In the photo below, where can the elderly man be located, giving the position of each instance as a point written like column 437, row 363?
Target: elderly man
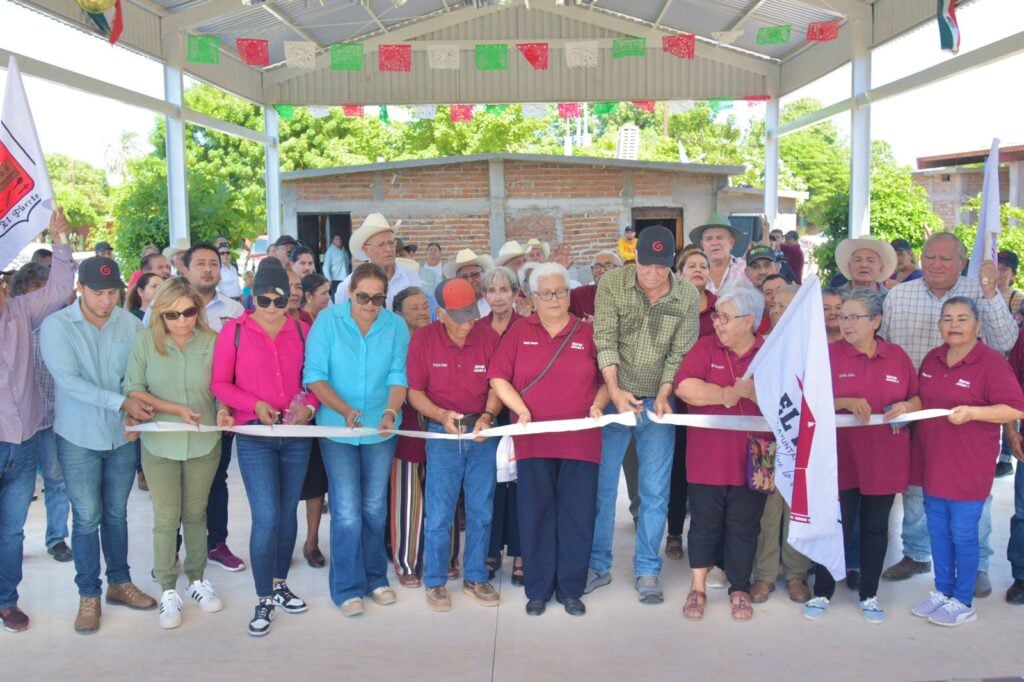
column 537, row 251
column 910, row 319
column 174, row 252
column 511, row 255
column 374, row 241
column 156, row 262
column 716, row 238
column 22, row 414
column 645, row 321
column 471, row 267
column 281, row 249
column 336, row 262
column 866, row 263
column 582, row 299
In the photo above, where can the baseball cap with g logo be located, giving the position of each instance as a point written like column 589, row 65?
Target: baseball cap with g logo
column 656, row 246
column 100, row 273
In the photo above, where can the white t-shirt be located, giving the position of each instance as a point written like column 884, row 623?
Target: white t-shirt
column 403, row 278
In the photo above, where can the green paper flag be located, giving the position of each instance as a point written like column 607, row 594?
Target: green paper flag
column 604, row 108
column 774, row 35
column 285, row 111
column 720, row 105
column 383, row 115
column 492, row 57
column 204, row 49
column 629, row 47
column 347, row 56
column 495, row 109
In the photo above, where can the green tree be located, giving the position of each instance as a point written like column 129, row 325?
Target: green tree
column 487, row 133
column 1011, row 237
column 84, row 194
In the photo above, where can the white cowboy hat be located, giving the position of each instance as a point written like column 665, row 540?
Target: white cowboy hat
column 180, row 244
column 543, row 246
column 408, row 263
column 509, row 250
column 847, row 247
column 467, row 257
column 375, row 223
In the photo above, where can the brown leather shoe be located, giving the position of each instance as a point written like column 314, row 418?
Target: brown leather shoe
column 905, row 568
column 88, row 619
column 126, row 594
column 409, row 580
column 14, row 619
column 798, row 590
column 438, row 599
column 760, row 590
column 483, row 593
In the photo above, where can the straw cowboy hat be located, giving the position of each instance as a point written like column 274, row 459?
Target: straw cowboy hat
column 180, row 244
column 375, row 223
column 847, row 247
column 543, row 246
column 509, row 250
column 467, row 257
column 715, row 220
column 408, row 263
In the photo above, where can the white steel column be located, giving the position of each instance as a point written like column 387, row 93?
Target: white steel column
column 177, row 177
column 771, row 161
column 860, row 132
column 272, row 160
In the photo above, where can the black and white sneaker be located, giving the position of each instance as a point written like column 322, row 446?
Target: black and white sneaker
column 287, row 600
column 260, row 623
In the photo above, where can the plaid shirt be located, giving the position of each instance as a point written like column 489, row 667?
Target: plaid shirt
column 646, row 341
column 911, row 318
column 736, row 273
column 44, row 381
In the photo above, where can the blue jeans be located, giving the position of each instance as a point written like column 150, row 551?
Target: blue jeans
column 916, row 542
column 17, row 483
column 272, row 471
column 357, row 476
column 54, row 491
column 953, row 527
column 654, row 447
column 453, row 466
column 1015, row 548
column 98, row 484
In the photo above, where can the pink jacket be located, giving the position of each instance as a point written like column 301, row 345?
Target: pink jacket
column 259, row 368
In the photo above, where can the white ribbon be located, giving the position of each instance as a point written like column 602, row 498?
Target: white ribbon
column 741, row 423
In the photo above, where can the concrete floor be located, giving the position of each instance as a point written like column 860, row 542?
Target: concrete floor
column 618, row 639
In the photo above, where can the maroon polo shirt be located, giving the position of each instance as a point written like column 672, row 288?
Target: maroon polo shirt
column 566, row 392
column 453, row 378
column 582, row 300
column 707, row 327
column 958, row 462
column 795, row 257
column 873, row 458
column 411, row 449
column 717, row 456
column 489, row 317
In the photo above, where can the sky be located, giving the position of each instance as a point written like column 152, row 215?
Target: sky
column 958, row 114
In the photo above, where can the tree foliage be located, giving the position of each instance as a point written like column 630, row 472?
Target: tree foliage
column 84, row 194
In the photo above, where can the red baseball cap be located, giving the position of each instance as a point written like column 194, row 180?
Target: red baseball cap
column 458, row 299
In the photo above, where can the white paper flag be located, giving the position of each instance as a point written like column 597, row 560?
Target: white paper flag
column 426, row 112
column 299, row 54
column 727, row 37
column 534, row 110
column 582, row 54
column 319, row 112
column 443, row 56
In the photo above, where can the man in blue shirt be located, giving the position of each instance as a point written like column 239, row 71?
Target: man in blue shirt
column 336, row 263
column 86, row 348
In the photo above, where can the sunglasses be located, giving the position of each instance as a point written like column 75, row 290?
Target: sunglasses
column 266, row 302
column 172, row 315
column 379, row 300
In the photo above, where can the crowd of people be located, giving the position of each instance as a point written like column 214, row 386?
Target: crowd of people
column 384, row 343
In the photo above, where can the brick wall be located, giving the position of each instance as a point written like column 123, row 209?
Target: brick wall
column 455, row 181
column 356, row 187
column 525, row 180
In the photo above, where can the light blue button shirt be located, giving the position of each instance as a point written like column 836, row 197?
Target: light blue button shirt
column 360, row 369
column 88, row 365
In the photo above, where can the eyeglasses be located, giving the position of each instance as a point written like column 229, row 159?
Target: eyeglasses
column 389, row 245
column 548, row 295
column 475, row 274
column 172, row 315
column 379, row 300
column 224, row 253
column 266, row 302
column 853, row 318
column 603, row 267
column 722, row 318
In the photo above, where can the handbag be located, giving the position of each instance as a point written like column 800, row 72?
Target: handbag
column 760, row 460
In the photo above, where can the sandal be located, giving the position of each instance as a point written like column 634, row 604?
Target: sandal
column 518, row 576
column 693, row 609
column 492, row 566
column 409, row 580
column 674, row 547
column 742, row 609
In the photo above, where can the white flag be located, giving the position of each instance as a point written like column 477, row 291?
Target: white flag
column 794, row 390
column 26, row 198
column 989, row 221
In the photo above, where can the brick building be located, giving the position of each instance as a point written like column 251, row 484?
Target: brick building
column 951, row 179
column 481, row 201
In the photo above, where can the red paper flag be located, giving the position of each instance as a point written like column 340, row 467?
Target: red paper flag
column 460, row 113
column 568, row 110
column 536, row 54
column 823, row 30
column 353, row 110
column 645, row 104
column 755, row 100
column 253, row 52
column 682, row 46
column 394, row 57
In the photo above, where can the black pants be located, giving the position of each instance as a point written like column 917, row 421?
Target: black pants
column 725, row 521
column 874, row 541
column 556, row 523
column 217, row 507
column 505, row 521
column 678, row 487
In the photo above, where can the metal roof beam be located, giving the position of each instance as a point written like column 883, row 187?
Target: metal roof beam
column 851, row 9
column 283, row 18
column 203, row 14
column 751, row 8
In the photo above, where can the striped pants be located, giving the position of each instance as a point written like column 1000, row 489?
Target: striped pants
column 407, row 484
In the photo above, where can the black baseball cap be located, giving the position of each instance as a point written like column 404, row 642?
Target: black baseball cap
column 103, row 246
column 760, row 252
column 100, row 273
column 656, row 246
column 1009, row 259
column 286, row 240
column 901, row 245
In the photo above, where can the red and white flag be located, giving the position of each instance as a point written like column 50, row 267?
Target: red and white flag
column 793, row 378
column 26, row 198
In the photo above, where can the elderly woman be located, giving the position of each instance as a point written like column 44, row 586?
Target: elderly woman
column 169, row 368
column 831, row 304
column 355, row 365
column 294, row 294
column 869, row 376
column 725, row 513
column 546, row 369
column 784, row 295
column 408, row 470
column 954, row 458
column 866, row 263
column 257, row 372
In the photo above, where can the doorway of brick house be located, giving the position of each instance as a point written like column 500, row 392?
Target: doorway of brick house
column 316, row 230
column 672, row 218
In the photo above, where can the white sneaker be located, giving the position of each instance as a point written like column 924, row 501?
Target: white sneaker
column 203, row 594
column 717, row 579
column 953, row 613
column 170, row 610
column 934, row 602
